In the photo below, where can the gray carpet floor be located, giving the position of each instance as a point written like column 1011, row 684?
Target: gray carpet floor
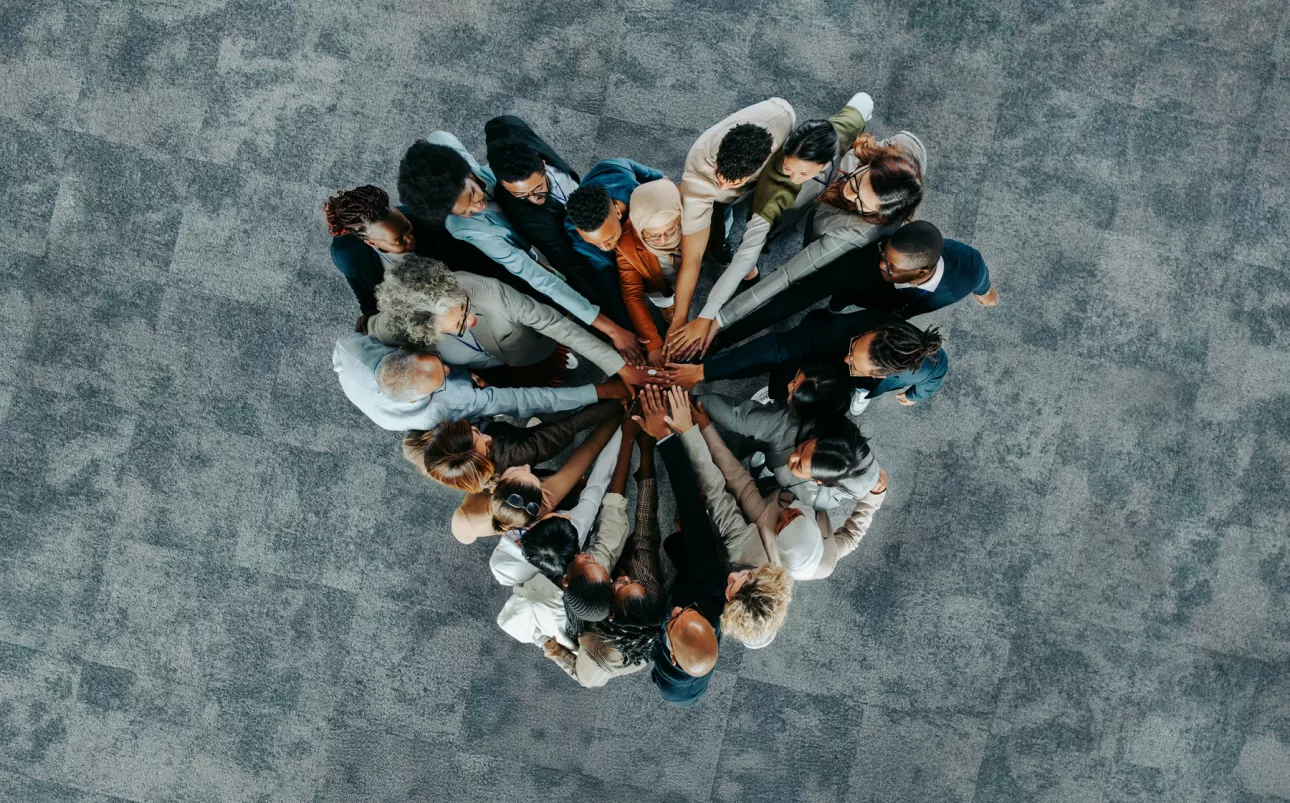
column 219, row 582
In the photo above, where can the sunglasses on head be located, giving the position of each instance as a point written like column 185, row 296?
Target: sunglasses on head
column 516, row 501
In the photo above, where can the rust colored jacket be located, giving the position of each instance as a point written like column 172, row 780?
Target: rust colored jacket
column 639, row 273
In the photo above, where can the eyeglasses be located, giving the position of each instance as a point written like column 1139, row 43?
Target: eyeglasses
column 853, row 181
column 465, row 316
column 671, row 232
column 516, row 501
column 543, row 192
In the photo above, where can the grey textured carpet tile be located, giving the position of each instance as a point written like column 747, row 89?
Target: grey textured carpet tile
column 901, row 755
column 45, row 58
column 768, row 732
column 29, row 183
column 373, row 765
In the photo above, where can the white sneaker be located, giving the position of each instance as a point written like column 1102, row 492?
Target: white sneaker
column 762, row 397
column 848, row 309
column 570, row 362
column 757, row 460
column 859, row 401
column 532, row 422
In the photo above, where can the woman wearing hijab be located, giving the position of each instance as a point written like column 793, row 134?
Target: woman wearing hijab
column 648, row 255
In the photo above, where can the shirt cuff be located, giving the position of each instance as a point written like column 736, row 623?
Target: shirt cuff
column 586, row 394
column 862, row 103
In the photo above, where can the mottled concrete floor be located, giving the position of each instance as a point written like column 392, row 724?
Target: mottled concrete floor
column 219, row 582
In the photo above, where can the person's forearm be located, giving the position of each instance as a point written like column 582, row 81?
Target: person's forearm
column 558, row 484
column 618, row 482
column 696, row 528
column 687, row 277
column 751, row 359
column 745, row 259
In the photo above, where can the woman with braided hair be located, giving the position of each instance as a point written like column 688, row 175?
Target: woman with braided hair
column 368, row 231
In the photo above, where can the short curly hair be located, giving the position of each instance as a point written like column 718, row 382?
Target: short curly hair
column 430, row 179
column 416, row 291
column 759, row 607
column 514, row 161
column 588, row 207
column 743, row 150
column 352, row 211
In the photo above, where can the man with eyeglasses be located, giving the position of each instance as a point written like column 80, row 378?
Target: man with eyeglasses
column 480, row 323
column 915, row 271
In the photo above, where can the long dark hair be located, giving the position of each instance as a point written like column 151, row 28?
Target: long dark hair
column 824, row 394
column 814, row 141
column 550, row 546
column 841, row 451
column 896, row 179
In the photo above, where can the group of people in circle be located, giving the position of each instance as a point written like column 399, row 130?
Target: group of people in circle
column 490, row 281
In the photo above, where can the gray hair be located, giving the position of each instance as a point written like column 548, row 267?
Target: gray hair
column 415, row 292
column 399, row 376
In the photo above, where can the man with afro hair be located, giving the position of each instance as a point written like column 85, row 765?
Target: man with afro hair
column 721, row 168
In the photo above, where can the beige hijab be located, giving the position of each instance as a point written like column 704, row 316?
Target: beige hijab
column 656, row 205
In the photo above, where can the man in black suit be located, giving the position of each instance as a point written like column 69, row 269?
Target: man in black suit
column 533, row 184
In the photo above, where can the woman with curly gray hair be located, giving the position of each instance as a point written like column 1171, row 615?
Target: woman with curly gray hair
column 481, row 324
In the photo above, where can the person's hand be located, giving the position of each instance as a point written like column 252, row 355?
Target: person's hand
column 636, row 377
column 701, row 416
column 361, row 325
column 684, row 374
column 711, row 336
column 653, row 412
column 904, row 399
column 613, row 389
column 990, row 299
column 655, row 358
column 881, row 487
column 863, row 145
column 631, row 428
column 680, row 420
column 628, row 344
column 477, row 380
column 553, row 649
column 685, row 340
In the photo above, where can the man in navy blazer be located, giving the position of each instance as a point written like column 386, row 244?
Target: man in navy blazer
column 915, row 271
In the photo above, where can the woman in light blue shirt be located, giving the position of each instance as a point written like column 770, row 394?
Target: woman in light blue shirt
column 440, row 180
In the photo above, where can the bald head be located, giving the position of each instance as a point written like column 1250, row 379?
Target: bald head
column 694, row 642
column 409, row 375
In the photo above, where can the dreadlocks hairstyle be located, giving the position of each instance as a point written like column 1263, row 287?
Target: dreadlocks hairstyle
column 896, row 179
column 814, row 141
column 756, row 611
column 430, row 179
column 633, row 631
column 416, row 291
column 920, row 241
column 550, row 546
column 505, row 516
column 514, row 161
column 899, row 347
column 824, row 393
column 447, row 455
column 840, row 452
column 743, row 150
column 588, row 207
column 352, row 211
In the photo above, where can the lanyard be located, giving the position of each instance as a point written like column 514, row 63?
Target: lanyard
column 472, row 346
